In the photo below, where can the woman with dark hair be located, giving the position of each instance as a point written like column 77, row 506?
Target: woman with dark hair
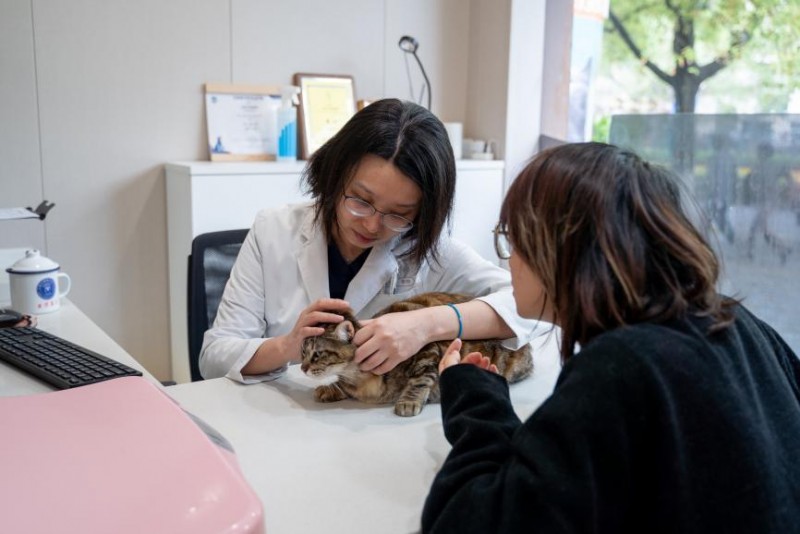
column 679, row 413
column 382, row 191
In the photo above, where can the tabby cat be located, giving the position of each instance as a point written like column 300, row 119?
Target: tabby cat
column 413, row 382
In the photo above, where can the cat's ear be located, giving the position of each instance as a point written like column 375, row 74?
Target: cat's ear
column 344, row 331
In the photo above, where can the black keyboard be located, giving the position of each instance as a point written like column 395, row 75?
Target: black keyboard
column 57, row 361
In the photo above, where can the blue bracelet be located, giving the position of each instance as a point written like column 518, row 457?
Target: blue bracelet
column 460, row 323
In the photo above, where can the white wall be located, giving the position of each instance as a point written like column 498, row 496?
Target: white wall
column 272, row 40
column 526, row 83
column 442, row 30
column 118, row 88
column 96, row 95
column 488, row 71
column 20, row 163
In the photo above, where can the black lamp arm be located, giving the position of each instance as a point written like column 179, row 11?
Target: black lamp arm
column 424, row 75
column 42, row 209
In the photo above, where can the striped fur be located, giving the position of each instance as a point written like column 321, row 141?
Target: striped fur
column 413, row 382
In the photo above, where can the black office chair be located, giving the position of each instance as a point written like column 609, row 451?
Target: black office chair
column 210, row 264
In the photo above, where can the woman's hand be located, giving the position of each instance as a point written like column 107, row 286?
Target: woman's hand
column 452, row 357
column 276, row 352
column 319, row 311
column 387, row 340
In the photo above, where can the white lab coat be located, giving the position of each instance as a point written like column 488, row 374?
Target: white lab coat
column 283, row 267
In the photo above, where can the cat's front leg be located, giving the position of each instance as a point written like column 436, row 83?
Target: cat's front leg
column 408, row 408
column 413, row 397
column 329, row 393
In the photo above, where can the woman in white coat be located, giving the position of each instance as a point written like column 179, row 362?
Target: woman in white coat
column 382, row 191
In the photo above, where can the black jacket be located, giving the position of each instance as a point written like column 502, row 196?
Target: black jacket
column 651, row 428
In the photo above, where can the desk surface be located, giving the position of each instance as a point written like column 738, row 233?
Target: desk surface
column 342, row 467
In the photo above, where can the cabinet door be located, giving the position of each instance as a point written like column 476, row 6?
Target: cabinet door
column 232, row 201
column 479, row 193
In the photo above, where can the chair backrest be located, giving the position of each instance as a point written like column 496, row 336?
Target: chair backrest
column 210, row 264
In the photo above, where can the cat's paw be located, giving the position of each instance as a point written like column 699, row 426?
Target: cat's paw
column 407, row 408
column 329, row 393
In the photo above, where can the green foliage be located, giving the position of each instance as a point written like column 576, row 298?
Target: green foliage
column 755, row 41
column 600, row 129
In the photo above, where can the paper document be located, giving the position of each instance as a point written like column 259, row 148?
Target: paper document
column 17, row 213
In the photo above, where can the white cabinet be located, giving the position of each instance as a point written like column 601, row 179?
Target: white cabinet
column 205, row 197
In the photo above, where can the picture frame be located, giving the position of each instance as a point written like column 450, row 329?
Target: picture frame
column 327, row 102
column 241, row 121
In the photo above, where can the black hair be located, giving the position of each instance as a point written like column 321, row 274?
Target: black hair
column 405, row 134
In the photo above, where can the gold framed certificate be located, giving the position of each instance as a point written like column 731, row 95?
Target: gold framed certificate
column 327, row 101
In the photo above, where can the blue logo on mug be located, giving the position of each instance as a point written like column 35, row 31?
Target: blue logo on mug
column 46, row 289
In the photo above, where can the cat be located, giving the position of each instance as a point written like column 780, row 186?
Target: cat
column 413, row 382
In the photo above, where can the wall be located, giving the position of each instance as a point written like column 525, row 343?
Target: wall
column 526, row 82
column 441, row 28
column 117, row 92
column 20, row 163
column 557, row 54
column 488, row 71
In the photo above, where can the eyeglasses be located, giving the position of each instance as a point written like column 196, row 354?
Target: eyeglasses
column 502, row 245
column 362, row 208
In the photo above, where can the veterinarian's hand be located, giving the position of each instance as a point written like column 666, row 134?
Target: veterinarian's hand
column 319, row 311
column 386, row 341
column 452, row 357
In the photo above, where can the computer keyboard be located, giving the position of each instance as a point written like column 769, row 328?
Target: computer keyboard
column 57, row 361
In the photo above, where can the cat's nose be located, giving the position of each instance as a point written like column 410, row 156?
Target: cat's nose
column 304, row 367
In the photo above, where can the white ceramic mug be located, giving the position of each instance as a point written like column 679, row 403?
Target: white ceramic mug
column 481, row 149
column 37, row 284
column 473, row 146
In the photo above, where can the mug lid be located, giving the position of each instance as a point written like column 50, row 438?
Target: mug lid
column 33, row 262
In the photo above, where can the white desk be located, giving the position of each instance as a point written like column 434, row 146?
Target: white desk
column 73, row 325
column 337, row 468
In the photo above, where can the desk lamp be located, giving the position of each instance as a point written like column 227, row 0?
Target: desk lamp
column 409, row 45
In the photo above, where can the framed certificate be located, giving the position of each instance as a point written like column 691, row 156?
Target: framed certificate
column 242, row 121
column 327, row 101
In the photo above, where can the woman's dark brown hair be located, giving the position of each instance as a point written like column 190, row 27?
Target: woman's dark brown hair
column 607, row 235
column 405, row 134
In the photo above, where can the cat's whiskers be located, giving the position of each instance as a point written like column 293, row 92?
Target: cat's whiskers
column 331, row 373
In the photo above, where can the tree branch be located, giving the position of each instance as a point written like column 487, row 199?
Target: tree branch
column 738, row 41
column 672, row 7
column 626, row 38
column 707, row 71
column 641, row 8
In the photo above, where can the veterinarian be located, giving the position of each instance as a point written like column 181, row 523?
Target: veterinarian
column 382, row 191
column 680, row 413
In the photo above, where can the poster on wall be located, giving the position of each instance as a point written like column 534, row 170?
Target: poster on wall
column 241, row 121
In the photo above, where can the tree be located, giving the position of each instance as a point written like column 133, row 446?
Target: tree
column 705, row 37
